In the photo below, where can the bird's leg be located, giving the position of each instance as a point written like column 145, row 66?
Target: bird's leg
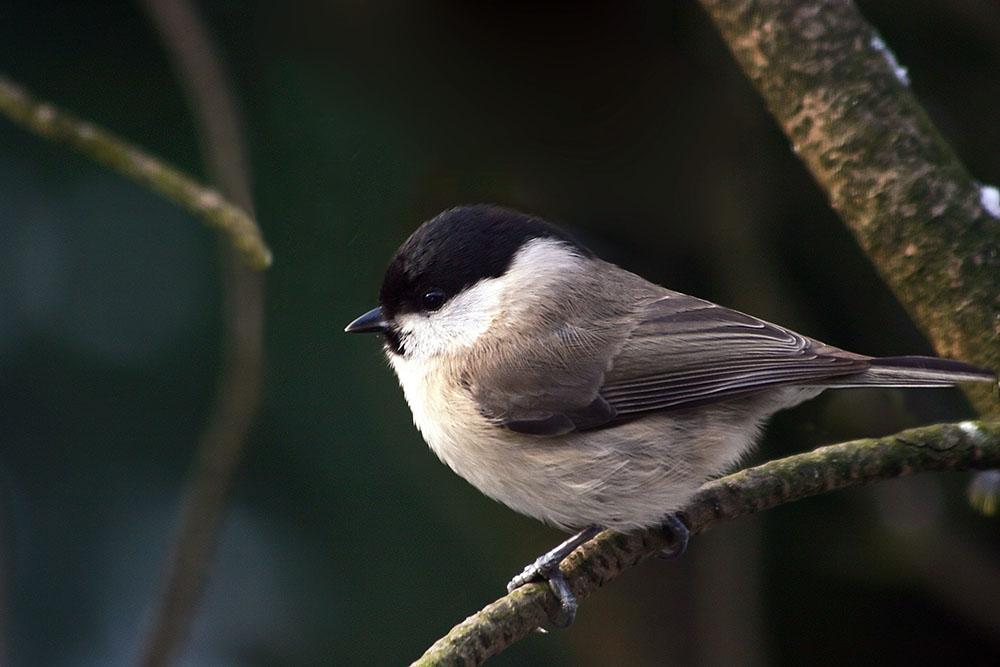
column 679, row 534
column 546, row 568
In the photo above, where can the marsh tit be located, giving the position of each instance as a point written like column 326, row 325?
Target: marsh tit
column 579, row 393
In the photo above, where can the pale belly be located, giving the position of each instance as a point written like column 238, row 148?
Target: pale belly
column 625, row 477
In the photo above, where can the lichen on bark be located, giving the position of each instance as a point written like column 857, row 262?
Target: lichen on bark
column 833, row 86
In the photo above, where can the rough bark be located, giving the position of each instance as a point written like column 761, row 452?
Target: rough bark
column 847, row 108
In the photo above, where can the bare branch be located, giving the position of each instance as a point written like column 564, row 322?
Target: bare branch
column 220, row 448
column 965, row 446
column 50, row 122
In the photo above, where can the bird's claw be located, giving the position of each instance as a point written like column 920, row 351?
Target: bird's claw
column 546, row 568
column 567, row 601
column 679, row 535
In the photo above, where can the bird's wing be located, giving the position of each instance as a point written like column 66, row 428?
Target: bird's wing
column 687, row 351
column 550, row 386
column 671, row 352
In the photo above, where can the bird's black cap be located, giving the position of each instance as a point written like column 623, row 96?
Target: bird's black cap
column 459, row 248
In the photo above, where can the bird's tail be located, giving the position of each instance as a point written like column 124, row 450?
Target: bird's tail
column 914, row 372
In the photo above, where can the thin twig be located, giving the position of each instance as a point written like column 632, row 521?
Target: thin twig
column 965, row 446
column 97, row 143
column 220, row 448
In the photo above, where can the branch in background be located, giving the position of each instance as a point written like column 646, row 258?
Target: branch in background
column 931, row 230
column 46, row 120
column 220, row 448
column 969, row 445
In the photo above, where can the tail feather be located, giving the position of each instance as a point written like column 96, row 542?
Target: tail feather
column 914, row 372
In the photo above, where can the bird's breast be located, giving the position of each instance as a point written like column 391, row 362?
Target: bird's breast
column 443, row 410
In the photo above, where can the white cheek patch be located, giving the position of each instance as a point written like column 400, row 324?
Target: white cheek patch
column 537, row 269
column 469, row 314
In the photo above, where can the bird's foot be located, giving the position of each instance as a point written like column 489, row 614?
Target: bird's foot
column 546, row 568
column 679, row 535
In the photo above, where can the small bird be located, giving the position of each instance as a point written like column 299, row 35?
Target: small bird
column 581, row 394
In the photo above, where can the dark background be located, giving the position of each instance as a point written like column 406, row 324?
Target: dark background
column 347, row 542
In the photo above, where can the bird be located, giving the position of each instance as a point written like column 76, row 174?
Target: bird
column 580, row 394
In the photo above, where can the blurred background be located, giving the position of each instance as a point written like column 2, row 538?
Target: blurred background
column 347, row 541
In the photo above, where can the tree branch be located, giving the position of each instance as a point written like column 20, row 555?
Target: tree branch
column 964, row 446
column 50, row 122
column 931, row 230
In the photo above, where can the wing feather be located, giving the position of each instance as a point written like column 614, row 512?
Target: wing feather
column 670, row 351
column 687, row 351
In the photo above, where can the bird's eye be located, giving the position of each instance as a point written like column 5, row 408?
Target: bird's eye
column 433, row 299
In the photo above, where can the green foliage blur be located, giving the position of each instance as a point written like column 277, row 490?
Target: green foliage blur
column 347, row 542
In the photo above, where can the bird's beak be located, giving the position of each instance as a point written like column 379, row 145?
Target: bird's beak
column 370, row 322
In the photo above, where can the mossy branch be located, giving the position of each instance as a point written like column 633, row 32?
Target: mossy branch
column 931, row 230
column 965, row 446
column 50, row 122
